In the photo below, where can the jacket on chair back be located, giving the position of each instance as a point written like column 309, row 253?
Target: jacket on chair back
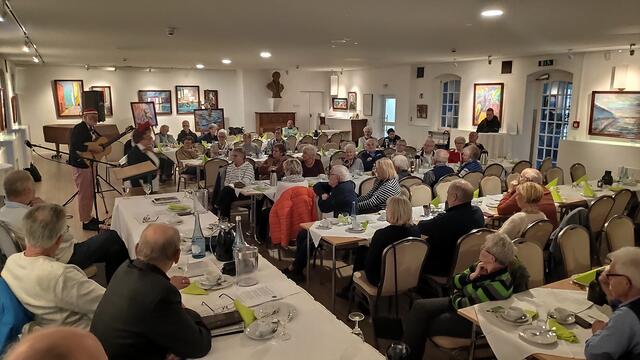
column 294, row 207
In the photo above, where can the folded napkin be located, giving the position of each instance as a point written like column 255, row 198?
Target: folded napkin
column 247, row 315
column 562, row 332
column 476, row 193
column 436, row 201
column 587, row 190
column 205, row 159
column 194, row 289
column 556, row 195
column 532, row 314
column 582, row 179
column 615, row 188
column 553, row 183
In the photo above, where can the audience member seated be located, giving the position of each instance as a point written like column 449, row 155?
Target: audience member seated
column 186, row 132
column 142, row 152
column 428, row 151
column 439, row 170
column 528, row 195
column 221, row 147
column 54, row 292
column 335, row 197
column 455, row 155
column 311, row 166
column 185, row 152
column 385, row 186
column 368, row 134
column 290, row 130
column 58, row 343
column 444, row 230
column 486, row 280
column 141, row 315
column 273, row 162
column 163, row 138
column 391, row 139
column 473, row 140
column 278, row 139
column 209, row 134
column 490, row 124
column 509, row 206
column 370, row 154
column 106, row 247
column 351, row 159
column 619, row 338
column 239, row 173
column 250, row 149
column 470, row 156
column 401, row 147
column 401, row 164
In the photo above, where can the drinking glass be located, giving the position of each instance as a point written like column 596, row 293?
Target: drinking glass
column 202, row 200
column 284, row 335
column 357, row 317
column 147, row 189
column 183, row 262
column 246, row 259
column 126, row 189
column 427, row 210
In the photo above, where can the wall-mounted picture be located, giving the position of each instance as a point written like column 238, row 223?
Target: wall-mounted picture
column 339, row 103
column 15, row 109
column 367, row 104
column 352, row 99
column 144, row 112
column 67, row 95
column 162, row 99
column 108, row 104
column 487, row 96
column 211, row 99
column 615, row 114
column 205, row 117
column 187, row 98
column 421, row 111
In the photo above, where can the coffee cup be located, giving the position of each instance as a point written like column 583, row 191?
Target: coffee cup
column 514, row 313
column 563, row 315
column 212, row 275
column 326, row 223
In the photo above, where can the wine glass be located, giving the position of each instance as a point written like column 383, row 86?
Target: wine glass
column 284, row 335
column 126, row 189
column 147, row 189
column 357, row 317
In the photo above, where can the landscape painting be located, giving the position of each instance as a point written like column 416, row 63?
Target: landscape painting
column 615, row 114
column 144, row 112
column 339, row 103
column 67, row 95
column 162, row 99
column 205, row 117
column 106, row 93
column 187, row 98
column 487, row 96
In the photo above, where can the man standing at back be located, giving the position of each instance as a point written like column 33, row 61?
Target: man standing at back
column 141, row 314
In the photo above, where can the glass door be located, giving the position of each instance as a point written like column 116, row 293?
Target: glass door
column 389, row 114
column 554, row 119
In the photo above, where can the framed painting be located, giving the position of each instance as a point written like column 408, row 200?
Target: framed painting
column 367, row 104
column 15, row 109
column 421, row 111
column 211, row 99
column 352, row 99
column 187, row 98
column 205, row 117
column 67, row 95
column 339, row 103
column 144, row 112
column 615, row 114
column 161, row 99
column 108, row 104
column 486, row 96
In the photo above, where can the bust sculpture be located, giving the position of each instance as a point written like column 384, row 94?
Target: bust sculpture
column 275, row 86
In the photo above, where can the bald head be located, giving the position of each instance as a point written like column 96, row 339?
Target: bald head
column 159, row 245
column 58, row 343
column 460, row 192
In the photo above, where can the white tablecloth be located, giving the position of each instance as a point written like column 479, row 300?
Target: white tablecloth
column 497, row 144
column 169, row 152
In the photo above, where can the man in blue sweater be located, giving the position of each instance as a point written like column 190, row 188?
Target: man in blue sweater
column 440, row 168
column 470, row 156
column 370, row 154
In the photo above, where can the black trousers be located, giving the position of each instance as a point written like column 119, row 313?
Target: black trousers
column 107, row 247
column 226, row 197
column 166, row 166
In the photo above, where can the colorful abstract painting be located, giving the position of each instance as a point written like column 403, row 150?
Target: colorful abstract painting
column 67, row 95
column 211, row 99
column 144, row 112
column 205, row 117
column 487, row 96
column 187, row 98
column 162, row 99
column 106, row 93
column 615, row 114
column 339, row 103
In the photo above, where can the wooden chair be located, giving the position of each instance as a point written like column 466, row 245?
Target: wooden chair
column 420, row 195
column 236, row 144
column 411, row 152
column 619, row 232
column 307, row 139
column 404, row 191
column 269, row 135
column 410, row 181
column 388, row 152
column 449, row 178
column 330, row 146
column 338, row 155
column 545, row 165
column 494, row 169
column 620, row 203
column 9, row 243
column 490, row 185
column 538, row 233
column 577, row 171
column 474, row 179
column 574, row 246
column 366, row 185
column 322, row 139
column 598, row 214
column 511, row 178
column 441, row 189
column 292, row 141
column 555, row 173
column 182, row 177
column 531, row 256
column 212, row 170
column 257, row 142
column 335, row 138
column 520, row 165
column 381, row 142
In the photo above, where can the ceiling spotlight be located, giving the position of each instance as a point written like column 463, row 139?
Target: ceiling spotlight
column 4, row 14
column 632, row 51
column 86, row 67
column 199, row 66
column 35, row 59
column 619, row 51
column 492, row 13
column 110, row 68
column 149, row 69
column 265, row 54
column 171, row 31
column 489, row 60
column 26, row 47
column 226, row 61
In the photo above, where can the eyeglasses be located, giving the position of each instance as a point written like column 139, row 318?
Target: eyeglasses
column 610, row 275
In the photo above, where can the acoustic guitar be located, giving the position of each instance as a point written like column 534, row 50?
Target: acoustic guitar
column 105, row 144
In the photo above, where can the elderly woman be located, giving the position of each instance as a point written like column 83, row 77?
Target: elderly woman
column 401, row 147
column 401, row 163
column 239, row 173
column 428, row 151
column 370, row 154
column 163, row 138
column 292, row 177
column 273, row 162
column 278, row 139
column 455, row 155
column 486, row 280
column 368, row 134
column 385, row 186
column 439, row 170
column 250, row 149
column 221, row 147
column 391, row 139
column 311, row 167
column 351, row 160
column 528, row 195
column 470, row 156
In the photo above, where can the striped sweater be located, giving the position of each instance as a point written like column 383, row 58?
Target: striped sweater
column 376, row 198
column 494, row 286
column 243, row 173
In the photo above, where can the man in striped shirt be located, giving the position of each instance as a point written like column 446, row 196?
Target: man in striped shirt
column 239, row 173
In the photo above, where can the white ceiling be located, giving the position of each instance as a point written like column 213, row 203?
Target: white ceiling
column 299, row 32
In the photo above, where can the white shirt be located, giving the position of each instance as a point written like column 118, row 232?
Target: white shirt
column 56, row 293
column 518, row 222
column 243, row 173
column 150, row 154
column 12, row 213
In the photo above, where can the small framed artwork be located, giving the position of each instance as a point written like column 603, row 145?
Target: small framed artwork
column 106, row 92
column 67, row 95
column 352, row 98
column 187, row 98
column 367, row 104
column 421, row 111
column 211, row 99
column 144, row 112
column 615, row 114
column 15, row 109
column 205, row 117
column 161, row 98
column 339, row 103
column 487, row 96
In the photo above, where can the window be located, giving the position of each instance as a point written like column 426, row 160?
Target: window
column 450, row 103
column 389, row 114
column 554, row 119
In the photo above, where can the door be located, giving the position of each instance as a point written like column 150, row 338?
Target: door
column 553, row 121
column 312, row 108
column 389, row 113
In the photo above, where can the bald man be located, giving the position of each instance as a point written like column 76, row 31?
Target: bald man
column 509, row 206
column 58, row 343
column 141, row 314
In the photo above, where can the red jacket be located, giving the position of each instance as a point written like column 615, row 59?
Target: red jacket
column 509, row 206
column 294, row 207
column 454, row 156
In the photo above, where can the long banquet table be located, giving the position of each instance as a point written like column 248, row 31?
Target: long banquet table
column 315, row 332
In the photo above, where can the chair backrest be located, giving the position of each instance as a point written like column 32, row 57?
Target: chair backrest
column 532, row 258
column 468, row 249
column 411, row 180
column 291, row 143
column 411, row 151
column 257, row 142
column 490, row 185
column 441, row 189
column 546, row 164
column 344, row 143
column 335, row 138
column 381, row 142
column 538, row 232
column 330, row 146
column 324, row 127
column 404, row 191
column 598, row 213
column 337, row 155
column 555, row 173
column 420, row 195
column 307, row 139
column 322, row 139
column 9, row 243
column 621, row 200
column 520, row 165
column 494, row 169
column 388, row 152
column 511, row 178
column 449, row 178
column 402, row 260
column 577, row 171
column 574, row 246
column 236, row 144
column 619, row 232
column 117, row 152
column 474, row 179
column 269, row 135
column 366, row 185
column 212, row 169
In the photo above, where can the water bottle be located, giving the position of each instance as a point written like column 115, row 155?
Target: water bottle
column 354, row 216
column 418, row 162
column 239, row 240
column 273, row 178
column 198, row 246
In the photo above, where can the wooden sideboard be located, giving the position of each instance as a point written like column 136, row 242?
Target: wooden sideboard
column 269, row 121
column 357, row 126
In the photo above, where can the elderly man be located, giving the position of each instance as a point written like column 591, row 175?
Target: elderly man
column 444, row 230
column 401, row 147
column 428, row 151
column 401, row 163
column 619, row 338
column 368, row 134
column 54, row 292
column 278, row 139
column 250, row 149
column 473, row 140
column 209, row 135
column 163, row 138
column 470, row 156
column 509, row 206
column 455, row 155
column 239, row 173
column 290, row 130
column 440, row 169
column 106, row 247
column 391, row 139
column 58, row 343
column 371, row 154
column 141, row 315
column 186, row 132
column 490, row 124
column 311, row 166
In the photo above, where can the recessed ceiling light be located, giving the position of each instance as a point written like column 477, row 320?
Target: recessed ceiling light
column 492, row 13
column 226, row 61
column 35, row 59
column 265, row 54
column 110, row 68
column 199, row 66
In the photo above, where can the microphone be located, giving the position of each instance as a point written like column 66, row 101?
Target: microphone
column 28, row 143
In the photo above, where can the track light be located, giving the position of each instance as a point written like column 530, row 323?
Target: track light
column 4, row 14
column 26, row 47
column 632, row 51
column 35, row 59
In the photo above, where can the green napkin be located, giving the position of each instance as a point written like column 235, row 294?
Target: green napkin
column 532, row 314
column 587, row 190
column 476, row 193
column 365, row 224
column 562, row 332
column 586, row 278
column 194, row 289
column 247, row 315
column 205, row 159
column 556, row 195
column 436, row 201
column 552, row 183
column 582, row 179
column 615, row 188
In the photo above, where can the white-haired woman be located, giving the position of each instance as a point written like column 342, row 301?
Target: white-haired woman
column 221, row 147
column 385, row 186
column 292, row 177
column 311, row 166
column 368, row 134
column 351, row 160
column 401, row 163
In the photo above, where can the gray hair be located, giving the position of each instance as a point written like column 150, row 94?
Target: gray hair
column 350, row 146
column 473, row 151
column 158, row 249
column 627, row 262
column 372, row 141
column 441, row 156
column 309, row 149
column 292, row 167
column 459, row 139
column 43, row 225
column 533, row 175
column 501, row 247
column 222, row 132
column 16, row 183
column 429, row 139
column 463, row 189
column 212, row 126
column 342, row 172
column 367, row 128
column 401, row 162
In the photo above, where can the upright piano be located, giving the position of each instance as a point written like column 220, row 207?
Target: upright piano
column 59, row 134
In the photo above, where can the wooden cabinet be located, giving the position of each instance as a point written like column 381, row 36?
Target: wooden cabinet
column 269, row 121
column 357, row 126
